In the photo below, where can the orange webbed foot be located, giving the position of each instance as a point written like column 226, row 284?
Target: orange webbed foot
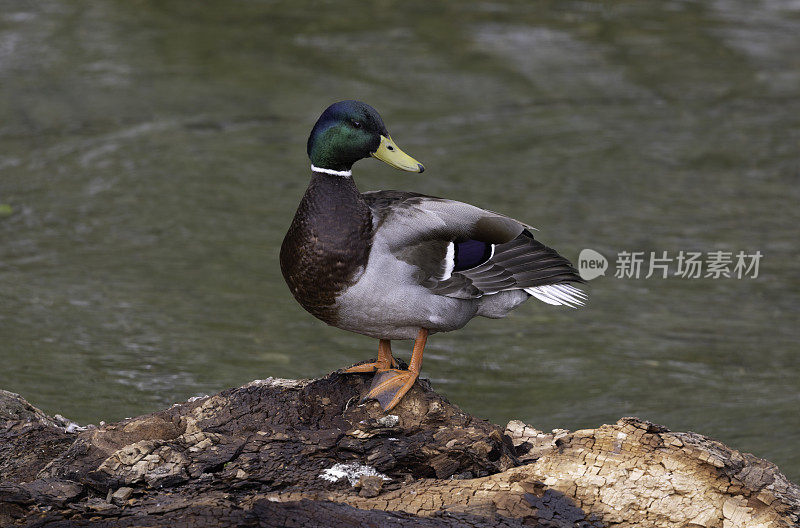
column 384, row 361
column 389, row 386
column 370, row 367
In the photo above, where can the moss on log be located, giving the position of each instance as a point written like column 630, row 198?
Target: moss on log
column 306, row 454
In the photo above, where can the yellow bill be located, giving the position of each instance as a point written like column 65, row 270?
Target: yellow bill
column 390, row 154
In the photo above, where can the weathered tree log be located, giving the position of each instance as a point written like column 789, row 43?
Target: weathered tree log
column 306, row 454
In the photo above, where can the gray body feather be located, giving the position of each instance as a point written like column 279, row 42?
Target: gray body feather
column 406, row 286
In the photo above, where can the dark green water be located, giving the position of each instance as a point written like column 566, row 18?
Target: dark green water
column 153, row 153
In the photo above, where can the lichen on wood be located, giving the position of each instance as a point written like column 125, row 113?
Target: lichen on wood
column 306, row 453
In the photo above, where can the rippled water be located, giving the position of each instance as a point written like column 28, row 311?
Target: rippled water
column 152, row 155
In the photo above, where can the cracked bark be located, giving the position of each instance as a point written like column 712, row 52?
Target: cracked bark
column 304, row 453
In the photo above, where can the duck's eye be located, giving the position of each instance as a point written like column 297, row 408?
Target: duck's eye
column 356, row 124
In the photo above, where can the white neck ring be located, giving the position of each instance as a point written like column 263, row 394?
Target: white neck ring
column 346, row 173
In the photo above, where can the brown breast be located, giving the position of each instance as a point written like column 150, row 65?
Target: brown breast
column 327, row 244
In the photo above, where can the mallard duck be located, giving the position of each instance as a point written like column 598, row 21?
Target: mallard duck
column 403, row 265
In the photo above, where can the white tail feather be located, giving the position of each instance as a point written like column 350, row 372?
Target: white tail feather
column 559, row 294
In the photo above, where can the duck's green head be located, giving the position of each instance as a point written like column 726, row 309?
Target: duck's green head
column 348, row 131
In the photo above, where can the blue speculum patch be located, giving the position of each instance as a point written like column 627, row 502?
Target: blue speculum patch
column 471, row 253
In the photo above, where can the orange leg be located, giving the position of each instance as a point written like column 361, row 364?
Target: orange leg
column 390, row 384
column 384, row 361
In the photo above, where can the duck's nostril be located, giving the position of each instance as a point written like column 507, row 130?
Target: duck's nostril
column 389, row 147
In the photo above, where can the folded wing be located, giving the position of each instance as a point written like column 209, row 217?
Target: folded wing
column 464, row 251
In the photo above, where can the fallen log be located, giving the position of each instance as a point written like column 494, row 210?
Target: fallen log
column 305, row 453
